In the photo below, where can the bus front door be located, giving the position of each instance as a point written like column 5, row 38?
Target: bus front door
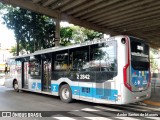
column 25, row 75
column 47, row 76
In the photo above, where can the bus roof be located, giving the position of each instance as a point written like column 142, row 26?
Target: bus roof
column 54, row 49
column 59, row 48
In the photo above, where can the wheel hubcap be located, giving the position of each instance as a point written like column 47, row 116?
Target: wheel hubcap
column 65, row 93
column 15, row 86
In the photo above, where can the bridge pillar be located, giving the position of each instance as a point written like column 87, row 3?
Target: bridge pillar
column 57, row 34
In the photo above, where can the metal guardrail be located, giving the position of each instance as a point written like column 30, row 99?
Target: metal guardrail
column 155, row 83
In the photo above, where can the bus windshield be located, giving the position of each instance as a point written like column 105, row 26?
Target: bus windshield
column 139, row 64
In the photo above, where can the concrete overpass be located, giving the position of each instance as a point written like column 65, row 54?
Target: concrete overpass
column 140, row 18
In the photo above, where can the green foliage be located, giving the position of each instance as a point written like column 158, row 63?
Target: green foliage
column 14, row 50
column 76, row 34
column 33, row 31
column 81, row 34
column 6, row 8
column 90, row 34
column 153, row 60
column 66, row 34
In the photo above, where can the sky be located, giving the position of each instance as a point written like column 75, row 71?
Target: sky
column 7, row 38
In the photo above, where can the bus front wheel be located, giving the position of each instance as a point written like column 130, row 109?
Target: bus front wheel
column 15, row 86
column 65, row 93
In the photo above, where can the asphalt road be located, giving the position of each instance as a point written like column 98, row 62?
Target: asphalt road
column 53, row 108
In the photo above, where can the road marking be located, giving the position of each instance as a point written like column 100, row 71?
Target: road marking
column 82, row 114
column 126, row 118
column 75, row 110
column 102, row 113
column 61, row 117
column 118, row 108
column 154, row 118
column 106, row 108
column 97, row 118
column 89, row 109
column 99, row 112
column 111, row 115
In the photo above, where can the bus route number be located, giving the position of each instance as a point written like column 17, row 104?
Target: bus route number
column 83, row 76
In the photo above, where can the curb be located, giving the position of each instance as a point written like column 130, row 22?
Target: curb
column 151, row 103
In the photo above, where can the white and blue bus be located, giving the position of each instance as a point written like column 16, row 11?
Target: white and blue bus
column 111, row 71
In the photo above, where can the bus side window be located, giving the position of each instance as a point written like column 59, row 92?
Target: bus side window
column 34, row 68
column 103, row 61
column 61, row 60
column 103, row 58
column 79, row 59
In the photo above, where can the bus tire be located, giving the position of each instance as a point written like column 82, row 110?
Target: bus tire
column 15, row 86
column 66, row 93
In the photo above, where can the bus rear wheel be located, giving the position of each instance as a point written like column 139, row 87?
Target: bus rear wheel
column 15, row 86
column 66, row 93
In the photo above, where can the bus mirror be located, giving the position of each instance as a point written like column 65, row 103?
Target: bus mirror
column 123, row 40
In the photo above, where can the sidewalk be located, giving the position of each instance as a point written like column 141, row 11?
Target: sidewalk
column 155, row 97
column 2, row 81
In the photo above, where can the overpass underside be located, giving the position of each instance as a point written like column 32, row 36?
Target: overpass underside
column 140, row 18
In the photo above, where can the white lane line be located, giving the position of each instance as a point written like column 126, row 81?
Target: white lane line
column 82, row 114
column 153, row 118
column 126, row 118
column 97, row 118
column 129, row 108
column 111, row 115
column 75, row 110
column 106, row 108
column 114, row 116
column 61, row 117
column 100, row 113
column 89, row 109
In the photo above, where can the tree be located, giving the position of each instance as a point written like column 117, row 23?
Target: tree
column 32, row 30
column 81, row 34
column 14, row 50
column 76, row 34
column 35, row 31
column 66, row 34
column 91, row 34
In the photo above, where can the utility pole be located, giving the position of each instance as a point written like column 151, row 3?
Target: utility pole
column 17, row 48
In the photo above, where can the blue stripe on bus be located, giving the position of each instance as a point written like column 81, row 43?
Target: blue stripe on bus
column 39, row 86
column 99, row 93
column 54, row 87
column 36, row 85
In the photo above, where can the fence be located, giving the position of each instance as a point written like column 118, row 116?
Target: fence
column 155, row 81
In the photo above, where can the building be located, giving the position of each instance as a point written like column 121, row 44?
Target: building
column 4, row 56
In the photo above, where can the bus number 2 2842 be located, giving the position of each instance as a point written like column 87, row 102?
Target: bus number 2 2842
column 83, row 76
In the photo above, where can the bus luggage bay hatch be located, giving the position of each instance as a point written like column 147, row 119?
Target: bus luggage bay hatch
column 110, row 71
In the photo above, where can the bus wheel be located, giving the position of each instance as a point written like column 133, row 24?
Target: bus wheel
column 66, row 93
column 15, row 86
